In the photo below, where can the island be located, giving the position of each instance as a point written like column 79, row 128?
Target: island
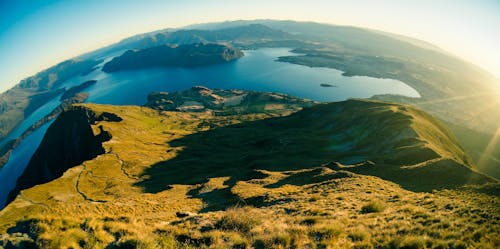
column 189, row 55
column 327, row 85
column 73, row 91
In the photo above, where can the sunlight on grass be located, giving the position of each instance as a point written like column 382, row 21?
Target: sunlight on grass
column 196, row 180
column 456, row 98
column 490, row 147
column 486, row 109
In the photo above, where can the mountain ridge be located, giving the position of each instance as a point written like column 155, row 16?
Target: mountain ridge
column 271, row 157
column 445, row 83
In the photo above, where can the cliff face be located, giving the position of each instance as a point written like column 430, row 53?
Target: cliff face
column 68, row 142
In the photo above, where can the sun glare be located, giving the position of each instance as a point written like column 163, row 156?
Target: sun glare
column 490, row 148
column 456, row 98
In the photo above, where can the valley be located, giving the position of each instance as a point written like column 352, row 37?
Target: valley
column 253, row 134
column 438, row 82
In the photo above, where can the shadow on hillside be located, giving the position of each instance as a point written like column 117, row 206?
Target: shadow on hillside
column 282, row 144
column 442, row 174
column 236, row 151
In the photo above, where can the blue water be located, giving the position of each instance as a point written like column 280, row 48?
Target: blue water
column 257, row 70
column 41, row 112
column 18, row 161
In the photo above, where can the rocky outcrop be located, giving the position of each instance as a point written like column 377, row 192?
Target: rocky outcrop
column 223, row 102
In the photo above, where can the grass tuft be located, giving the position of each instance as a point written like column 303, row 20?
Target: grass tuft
column 359, row 234
column 238, row 219
column 374, row 206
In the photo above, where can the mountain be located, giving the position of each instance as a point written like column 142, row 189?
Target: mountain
column 246, row 34
column 192, row 55
column 451, row 89
column 31, row 93
column 207, row 168
column 71, row 140
column 212, row 168
column 68, row 98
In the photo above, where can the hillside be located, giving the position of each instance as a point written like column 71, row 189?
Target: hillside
column 247, row 34
column 207, row 168
column 68, row 97
column 452, row 90
column 192, row 55
column 71, row 134
column 31, row 93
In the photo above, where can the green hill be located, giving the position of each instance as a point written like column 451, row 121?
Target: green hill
column 234, row 169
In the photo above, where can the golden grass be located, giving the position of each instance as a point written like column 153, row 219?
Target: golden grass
column 102, row 203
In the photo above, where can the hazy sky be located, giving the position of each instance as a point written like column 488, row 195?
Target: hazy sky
column 36, row 34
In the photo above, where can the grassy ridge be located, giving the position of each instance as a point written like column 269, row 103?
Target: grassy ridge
column 195, row 179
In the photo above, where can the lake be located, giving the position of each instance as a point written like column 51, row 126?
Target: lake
column 18, row 161
column 258, row 70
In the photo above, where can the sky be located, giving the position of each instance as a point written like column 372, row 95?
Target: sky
column 36, row 34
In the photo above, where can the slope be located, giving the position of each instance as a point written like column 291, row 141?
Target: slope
column 31, row 93
column 171, row 178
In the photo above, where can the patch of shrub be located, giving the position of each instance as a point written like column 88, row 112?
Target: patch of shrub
column 326, row 232
column 167, row 241
column 363, row 245
column 409, row 242
column 128, row 244
column 358, row 235
column 309, row 221
column 313, row 199
column 243, row 244
column 373, row 206
column 238, row 219
column 278, row 241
